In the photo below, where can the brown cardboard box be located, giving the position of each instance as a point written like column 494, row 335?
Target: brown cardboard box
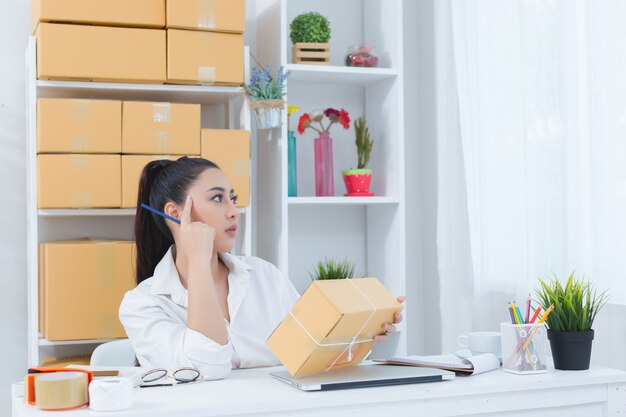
column 79, row 126
column 79, row 181
column 138, row 13
column 195, row 57
column 230, row 150
column 132, row 165
column 160, row 128
column 99, row 53
column 213, row 15
column 84, row 282
column 333, row 312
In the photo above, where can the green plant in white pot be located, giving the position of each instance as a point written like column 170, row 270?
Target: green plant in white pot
column 570, row 324
column 333, row 269
column 358, row 180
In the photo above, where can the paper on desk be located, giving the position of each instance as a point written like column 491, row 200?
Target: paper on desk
column 471, row 365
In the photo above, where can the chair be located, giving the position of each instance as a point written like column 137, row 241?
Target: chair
column 115, row 353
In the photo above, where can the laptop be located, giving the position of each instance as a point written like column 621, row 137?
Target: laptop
column 362, row 376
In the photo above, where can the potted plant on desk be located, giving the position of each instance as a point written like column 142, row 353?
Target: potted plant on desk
column 358, row 180
column 570, row 325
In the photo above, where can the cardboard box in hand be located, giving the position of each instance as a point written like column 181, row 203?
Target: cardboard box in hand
column 315, row 336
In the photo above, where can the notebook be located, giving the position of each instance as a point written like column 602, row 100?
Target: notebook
column 470, row 366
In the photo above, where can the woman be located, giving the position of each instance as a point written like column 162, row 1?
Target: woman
column 196, row 305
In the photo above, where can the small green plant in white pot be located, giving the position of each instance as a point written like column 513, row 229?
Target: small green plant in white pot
column 333, row 269
column 358, row 180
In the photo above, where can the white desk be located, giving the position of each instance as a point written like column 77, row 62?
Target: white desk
column 252, row 392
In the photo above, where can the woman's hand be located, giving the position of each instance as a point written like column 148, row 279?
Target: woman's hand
column 389, row 327
column 195, row 239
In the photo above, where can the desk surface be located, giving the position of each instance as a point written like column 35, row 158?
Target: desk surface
column 254, row 392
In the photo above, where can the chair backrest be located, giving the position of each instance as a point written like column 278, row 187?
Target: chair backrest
column 115, row 353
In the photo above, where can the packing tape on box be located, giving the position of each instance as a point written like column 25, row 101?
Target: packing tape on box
column 162, row 141
column 81, row 200
column 107, row 264
column 61, row 390
column 206, row 14
column 111, row 394
column 241, row 168
column 81, row 110
column 206, row 75
column 162, row 112
column 81, row 144
column 348, row 345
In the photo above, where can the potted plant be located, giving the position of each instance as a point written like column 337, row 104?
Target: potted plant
column 266, row 96
column 358, row 180
column 333, row 269
column 570, row 324
column 323, row 145
column 310, row 33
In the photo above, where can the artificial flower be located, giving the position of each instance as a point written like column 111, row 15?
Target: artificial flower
column 304, row 122
column 344, row 118
column 317, row 116
column 292, row 108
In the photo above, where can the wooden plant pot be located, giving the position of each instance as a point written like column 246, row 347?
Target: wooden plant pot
column 311, row 53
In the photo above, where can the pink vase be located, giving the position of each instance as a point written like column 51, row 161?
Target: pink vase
column 324, row 184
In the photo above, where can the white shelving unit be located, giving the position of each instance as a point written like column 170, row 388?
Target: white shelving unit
column 296, row 232
column 222, row 107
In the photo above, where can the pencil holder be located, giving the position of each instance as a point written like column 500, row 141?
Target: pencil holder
column 524, row 348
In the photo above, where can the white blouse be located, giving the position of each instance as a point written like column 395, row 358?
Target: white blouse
column 154, row 315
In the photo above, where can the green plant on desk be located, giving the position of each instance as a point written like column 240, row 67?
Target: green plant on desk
column 575, row 305
column 333, row 269
column 570, row 331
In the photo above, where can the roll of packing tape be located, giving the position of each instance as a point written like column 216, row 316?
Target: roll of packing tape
column 111, row 394
column 61, row 390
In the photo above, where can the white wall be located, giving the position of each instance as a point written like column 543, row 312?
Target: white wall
column 14, row 27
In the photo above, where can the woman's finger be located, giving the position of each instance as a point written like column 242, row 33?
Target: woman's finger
column 389, row 328
column 185, row 217
column 380, row 338
column 401, row 299
column 397, row 318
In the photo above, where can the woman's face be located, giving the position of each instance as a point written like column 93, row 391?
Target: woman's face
column 214, row 204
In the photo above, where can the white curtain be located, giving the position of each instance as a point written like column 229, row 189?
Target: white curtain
column 531, row 120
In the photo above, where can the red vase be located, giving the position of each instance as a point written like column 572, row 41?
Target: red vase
column 324, row 183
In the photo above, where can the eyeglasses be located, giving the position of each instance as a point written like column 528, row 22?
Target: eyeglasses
column 181, row 376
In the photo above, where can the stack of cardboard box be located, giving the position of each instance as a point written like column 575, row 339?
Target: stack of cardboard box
column 141, row 41
column 91, row 152
column 205, row 41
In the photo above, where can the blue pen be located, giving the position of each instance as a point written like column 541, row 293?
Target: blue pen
column 160, row 213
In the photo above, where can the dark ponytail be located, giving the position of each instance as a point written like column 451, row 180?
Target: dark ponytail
column 161, row 181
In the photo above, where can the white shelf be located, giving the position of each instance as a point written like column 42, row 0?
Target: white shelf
column 348, row 201
column 226, row 107
column 338, row 75
column 125, row 91
column 46, row 342
column 93, row 212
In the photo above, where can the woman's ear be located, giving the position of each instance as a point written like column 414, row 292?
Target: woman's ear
column 171, row 210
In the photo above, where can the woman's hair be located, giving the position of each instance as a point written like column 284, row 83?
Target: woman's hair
column 161, row 181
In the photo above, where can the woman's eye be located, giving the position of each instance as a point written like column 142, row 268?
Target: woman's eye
column 217, row 198
column 234, row 199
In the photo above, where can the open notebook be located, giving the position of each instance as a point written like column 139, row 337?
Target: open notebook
column 470, row 366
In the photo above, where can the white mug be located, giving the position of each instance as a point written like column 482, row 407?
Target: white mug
column 482, row 342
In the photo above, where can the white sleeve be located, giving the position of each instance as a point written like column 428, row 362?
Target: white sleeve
column 160, row 341
column 288, row 292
